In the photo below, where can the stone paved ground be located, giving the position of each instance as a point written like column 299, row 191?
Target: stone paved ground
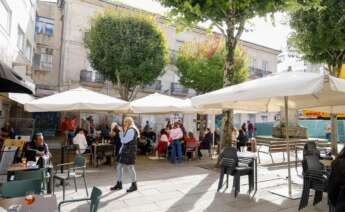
column 187, row 187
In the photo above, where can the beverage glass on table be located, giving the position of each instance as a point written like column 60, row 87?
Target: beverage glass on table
column 29, row 198
column 24, row 160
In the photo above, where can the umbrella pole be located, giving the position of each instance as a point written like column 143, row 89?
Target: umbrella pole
column 287, row 142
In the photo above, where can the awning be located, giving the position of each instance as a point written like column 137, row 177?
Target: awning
column 11, row 82
column 21, row 98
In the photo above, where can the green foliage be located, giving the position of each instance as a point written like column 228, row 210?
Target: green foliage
column 319, row 33
column 201, row 65
column 191, row 12
column 128, row 48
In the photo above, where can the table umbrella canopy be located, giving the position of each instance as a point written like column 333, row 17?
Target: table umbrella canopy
column 78, row 99
column 11, row 82
column 305, row 90
column 159, row 103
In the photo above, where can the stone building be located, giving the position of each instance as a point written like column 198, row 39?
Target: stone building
column 17, row 43
column 61, row 61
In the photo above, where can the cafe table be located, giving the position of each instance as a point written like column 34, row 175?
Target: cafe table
column 16, row 167
column 41, row 204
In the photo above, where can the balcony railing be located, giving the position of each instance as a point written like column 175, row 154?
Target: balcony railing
column 91, row 76
column 257, row 72
column 177, row 88
column 157, row 86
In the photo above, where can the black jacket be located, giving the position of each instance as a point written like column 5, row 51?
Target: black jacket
column 206, row 141
column 336, row 185
column 242, row 138
column 128, row 152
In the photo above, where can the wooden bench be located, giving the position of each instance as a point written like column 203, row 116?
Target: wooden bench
column 269, row 147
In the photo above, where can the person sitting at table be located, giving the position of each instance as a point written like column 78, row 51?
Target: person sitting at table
column 164, row 141
column 105, row 135
column 206, row 143
column 336, row 183
column 80, row 140
column 191, row 144
column 36, row 148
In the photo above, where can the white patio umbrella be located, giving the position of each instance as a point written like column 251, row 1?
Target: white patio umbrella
column 78, row 99
column 160, row 103
column 291, row 89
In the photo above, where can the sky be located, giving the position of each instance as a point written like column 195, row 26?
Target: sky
column 261, row 30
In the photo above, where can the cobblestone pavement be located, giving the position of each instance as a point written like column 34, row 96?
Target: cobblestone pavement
column 189, row 186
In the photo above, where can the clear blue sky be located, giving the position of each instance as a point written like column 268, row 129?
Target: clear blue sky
column 262, row 31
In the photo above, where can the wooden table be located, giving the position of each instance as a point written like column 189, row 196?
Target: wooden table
column 16, row 167
column 41, row 204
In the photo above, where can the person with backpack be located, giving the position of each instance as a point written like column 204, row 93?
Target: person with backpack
column 127, row 154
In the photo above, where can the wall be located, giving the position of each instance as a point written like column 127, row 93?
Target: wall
column 316, row 128
column 49, row 79
column 23, row 16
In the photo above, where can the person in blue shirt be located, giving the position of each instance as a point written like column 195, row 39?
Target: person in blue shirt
column 127, row 154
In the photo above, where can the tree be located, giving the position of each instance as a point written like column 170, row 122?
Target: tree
column 230, row 17
column 201, row 64
column 128, row 48
column 319, row 36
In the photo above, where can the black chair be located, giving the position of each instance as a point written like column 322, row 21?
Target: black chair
column 315, row 177
column 310, row 149
column 231, row 165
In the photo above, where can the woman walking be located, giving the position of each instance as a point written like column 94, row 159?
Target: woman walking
column 127, row 154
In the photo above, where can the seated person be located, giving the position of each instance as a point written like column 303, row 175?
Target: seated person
column 164, row 141
column 191, row 144
column 80, row 140
column 105, row 135
column 37, row 148
column 206, row 142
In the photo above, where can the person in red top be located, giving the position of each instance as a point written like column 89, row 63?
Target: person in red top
column 65, row 128
column 164, row 142
column 191, row 144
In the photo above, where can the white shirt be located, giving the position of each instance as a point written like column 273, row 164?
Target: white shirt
column 81, row 141
column 164, row 138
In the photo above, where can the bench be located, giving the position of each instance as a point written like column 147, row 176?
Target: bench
column 272, row 146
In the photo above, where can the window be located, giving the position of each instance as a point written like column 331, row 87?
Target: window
column 43, row 59
column 44, row 26
column 253, row 65
column 5, row 14
column 28, row 50
column 264, row 66
column 20, row 39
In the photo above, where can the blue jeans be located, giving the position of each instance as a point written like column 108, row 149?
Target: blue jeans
column 328, row 136
column 176, row 151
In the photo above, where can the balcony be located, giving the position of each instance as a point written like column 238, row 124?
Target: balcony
column 178, row 89
column 91, row 76
column 155, row 86
column 258, row 73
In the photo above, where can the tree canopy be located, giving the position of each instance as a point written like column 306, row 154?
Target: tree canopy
column 201, row 64
column 319, row 34
column 128, row 48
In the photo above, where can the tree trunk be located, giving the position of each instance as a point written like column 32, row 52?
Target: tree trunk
column 227, row 122
column 334, row 134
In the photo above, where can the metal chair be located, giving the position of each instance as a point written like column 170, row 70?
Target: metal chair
column 315, row 177
column 19, row 188
column 230, row 166
column 95, row 199
column 76, row 169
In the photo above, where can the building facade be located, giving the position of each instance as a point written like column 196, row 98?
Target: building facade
column 17, row 44
column 61, row 60
column 290, row 60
